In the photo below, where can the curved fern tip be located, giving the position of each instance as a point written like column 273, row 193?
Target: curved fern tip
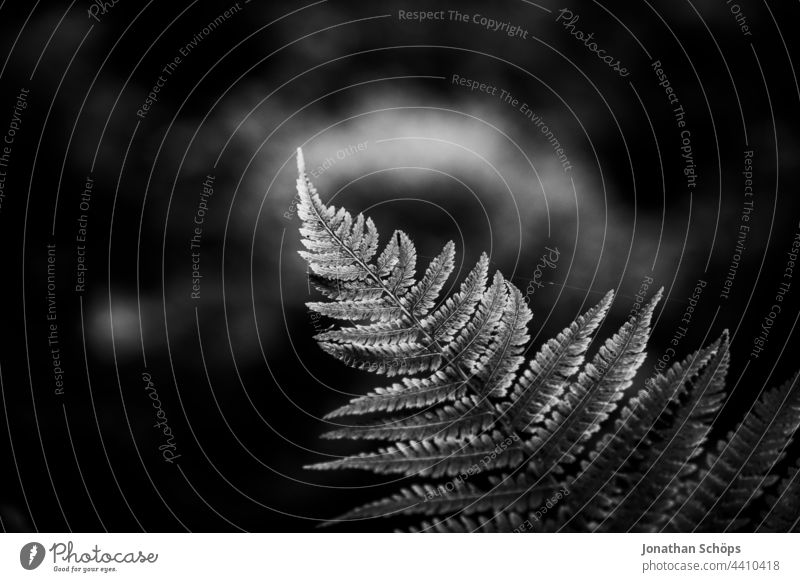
column 301, row 162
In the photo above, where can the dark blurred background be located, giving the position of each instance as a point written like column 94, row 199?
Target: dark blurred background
column 240, row 381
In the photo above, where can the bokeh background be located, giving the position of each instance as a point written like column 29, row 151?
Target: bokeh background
column 241, row 382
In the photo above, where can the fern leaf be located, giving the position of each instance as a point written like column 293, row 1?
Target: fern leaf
column 472, row 341
column 498, row 368
column 498, row 523
column 363, row 239
column 358, row 310
column 344, row 290
column 401, row 277
column 598, row 489
column 461, row 403
column 393, row 332
column 784, row 513
column 454, row 497
column 593, row 396
column 442, row 386
column 461, row 419
column 542, row 385
column 445, row 322
column 740, row 470
column 653, row 477
column 436, row 457
column 474, row 338
column 389, row 257
column 422, row 297
column 324, row 231
column 339, row 250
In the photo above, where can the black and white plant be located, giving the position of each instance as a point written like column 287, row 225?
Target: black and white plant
column 488, row 437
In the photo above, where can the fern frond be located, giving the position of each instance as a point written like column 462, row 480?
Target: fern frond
column 446, row 321
column 602, row 483
column 652, row 480
column 498, row 368
column 474, row 337
column 542, row 385
column 590, row 399
column 345, row 290
column 436, row 457
column 391, row 359
column 783, row 515
column 393, row 332
column 463, row 418
column 741, row 468
column 442, row 386
column 401, row 276
column 499, row 523
column 358, row 310
column 467, row 406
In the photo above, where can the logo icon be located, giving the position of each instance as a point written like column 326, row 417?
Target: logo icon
column 31, row 555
